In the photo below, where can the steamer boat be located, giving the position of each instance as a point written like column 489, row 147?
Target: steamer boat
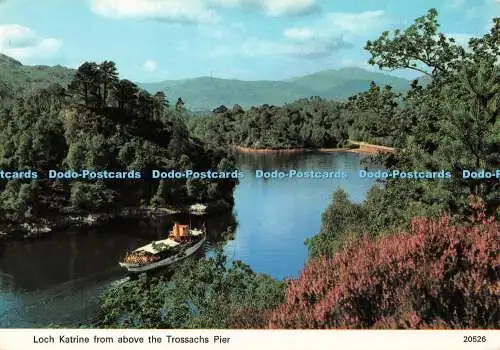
column 183, row 241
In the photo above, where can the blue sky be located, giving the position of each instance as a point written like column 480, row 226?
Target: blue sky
column 154, row 40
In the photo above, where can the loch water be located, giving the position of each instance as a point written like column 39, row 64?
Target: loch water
column 58, row 280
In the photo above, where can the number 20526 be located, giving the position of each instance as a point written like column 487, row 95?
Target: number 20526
column 474, row 339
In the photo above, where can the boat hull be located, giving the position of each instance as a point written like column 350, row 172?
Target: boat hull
column 164, row 262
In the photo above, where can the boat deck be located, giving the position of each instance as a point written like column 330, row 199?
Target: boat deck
column 149, row 247
column 168, row 242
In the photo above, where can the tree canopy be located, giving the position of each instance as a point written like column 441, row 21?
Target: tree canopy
column 100, row 122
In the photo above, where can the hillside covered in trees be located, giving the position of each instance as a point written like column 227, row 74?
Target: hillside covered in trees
column 312, row 122
column 415, row 254
column 207, row 93
column 100, row 122
column 17, row 79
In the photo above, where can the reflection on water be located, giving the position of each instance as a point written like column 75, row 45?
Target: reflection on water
column 275, row 216
column 59, row 279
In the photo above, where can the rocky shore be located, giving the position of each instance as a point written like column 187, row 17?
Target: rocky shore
column 42, row 228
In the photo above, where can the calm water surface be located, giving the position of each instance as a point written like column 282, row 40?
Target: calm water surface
column 58, row 280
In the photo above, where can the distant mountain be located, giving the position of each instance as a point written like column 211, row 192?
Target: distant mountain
column 16, row 78
column 205, row 93
column 209, row 93
column 345, row 82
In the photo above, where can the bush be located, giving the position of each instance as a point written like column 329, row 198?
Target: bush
column 437, row 275
column 209, row 293
column 340, row 222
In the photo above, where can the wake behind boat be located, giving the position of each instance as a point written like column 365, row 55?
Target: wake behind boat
column 181, row 243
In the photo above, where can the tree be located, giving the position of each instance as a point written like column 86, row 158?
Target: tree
column 472, row 133
column 420, row 47
column 126, row 94
column 460, row 100
column 379, row 113
column 179, row 106
column 160, row 103
column 86, row 82
column 109, row 129
column 109, row 79
column 340, row 222
column 146, row 105
column 486, row 48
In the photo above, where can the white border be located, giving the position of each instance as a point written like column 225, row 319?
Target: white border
column 23, row 339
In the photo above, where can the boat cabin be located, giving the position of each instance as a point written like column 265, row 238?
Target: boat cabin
column 179, row 231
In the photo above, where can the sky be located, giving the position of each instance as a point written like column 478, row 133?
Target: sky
column 156, row 40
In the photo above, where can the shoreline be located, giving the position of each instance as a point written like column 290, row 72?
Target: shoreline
column 285, row 150
column 44, row 227
column 363, row 148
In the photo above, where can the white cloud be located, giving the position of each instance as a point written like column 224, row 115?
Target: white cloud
column 194, row 11
column 333, row 32
column 296, row 33
column 274, row 7
column 314, row 49
column 289, row 7
column 24, row 43
column 311, row 49
column 150, row 65
column 358, row 24
column 14, row 35
column 323, row 38
column 455, row 3
column 190, row 11
column 340, row 27
column 306, row 42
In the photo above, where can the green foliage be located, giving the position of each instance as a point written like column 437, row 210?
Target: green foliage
column 378, row 118
column 100, row 123
column 139, row 304
column 18, row 80
column 200, row 294
column 340, row 222
column 420, row 47
column 450, row 124
column 310, row 122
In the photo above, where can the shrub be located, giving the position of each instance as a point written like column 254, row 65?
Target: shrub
column 209, row 293
column 340, row 223
column 437, row 275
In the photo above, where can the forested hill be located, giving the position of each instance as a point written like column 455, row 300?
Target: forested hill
column 207, row 93
column 16, row 79
column 100, row 123
column 307, row 123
